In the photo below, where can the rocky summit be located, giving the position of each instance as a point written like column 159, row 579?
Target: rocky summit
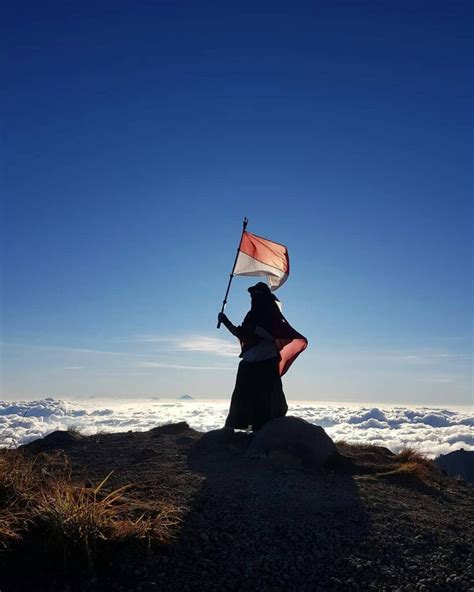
column 285, row 509
column 458, row 464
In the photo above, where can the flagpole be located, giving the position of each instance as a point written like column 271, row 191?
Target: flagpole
column 224, row 302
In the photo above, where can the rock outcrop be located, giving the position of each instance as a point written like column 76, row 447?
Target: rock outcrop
column 293, row 441
column 61, row 439
column 249, row 525
column 459, row 463
column 221, row 442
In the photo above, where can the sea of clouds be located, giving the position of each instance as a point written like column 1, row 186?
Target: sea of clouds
column 433, row 431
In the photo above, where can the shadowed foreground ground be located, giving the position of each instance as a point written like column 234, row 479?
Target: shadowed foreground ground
column 370, row 523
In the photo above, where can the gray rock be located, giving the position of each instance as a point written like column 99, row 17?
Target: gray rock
column 54, row 441
column 292, row 436
column 215, row 440
column 224, row 441
column 283, row 458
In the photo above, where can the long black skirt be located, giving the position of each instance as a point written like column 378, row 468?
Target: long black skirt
column 258, row 395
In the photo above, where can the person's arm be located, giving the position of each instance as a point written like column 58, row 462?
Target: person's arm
column 224, row 319
column 242, row 331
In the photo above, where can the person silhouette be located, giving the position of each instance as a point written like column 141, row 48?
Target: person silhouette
column 269, row 346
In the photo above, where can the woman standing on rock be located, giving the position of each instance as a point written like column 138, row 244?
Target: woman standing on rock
column 269, row 346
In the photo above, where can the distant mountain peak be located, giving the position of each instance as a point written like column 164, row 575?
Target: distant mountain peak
column 187, row 397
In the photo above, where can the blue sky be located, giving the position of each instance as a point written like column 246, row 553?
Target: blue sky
column 138, row 134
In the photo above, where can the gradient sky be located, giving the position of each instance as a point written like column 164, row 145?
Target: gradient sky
column 137, row 134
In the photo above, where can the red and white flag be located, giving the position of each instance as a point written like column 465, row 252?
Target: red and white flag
column 260, row 256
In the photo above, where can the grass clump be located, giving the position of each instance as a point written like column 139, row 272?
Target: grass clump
column 409, row 466
column 16, row 490
column 79, row 515
column 39, row 501
column 409, row 454
column 412, row 465
column 75, row 430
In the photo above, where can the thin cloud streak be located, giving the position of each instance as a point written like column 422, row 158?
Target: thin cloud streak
column 437, row 379
column 213, row 345
column 181, row 366
column 68, row 349
column 412, row 357
column 224, row 348
column 425, row 357
column 192, row 343
column 217, row 348
column 148, row 339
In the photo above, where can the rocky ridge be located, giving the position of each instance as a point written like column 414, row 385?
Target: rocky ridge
column 364, row 519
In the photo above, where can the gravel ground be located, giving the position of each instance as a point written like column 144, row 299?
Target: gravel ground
column 258, row 526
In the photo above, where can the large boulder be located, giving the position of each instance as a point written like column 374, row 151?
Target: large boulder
column 221, row 442
column 292, row 441
column 215, row 440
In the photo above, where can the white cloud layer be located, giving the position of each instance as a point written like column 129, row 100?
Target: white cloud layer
column 212, row 345
column 432, row 431
column 181, row 366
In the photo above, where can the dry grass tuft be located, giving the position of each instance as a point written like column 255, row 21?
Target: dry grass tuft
column 17, row 476
column 74, row 429
column 13, row 522
column 16, row 487
column 161, row 527
column 355, row 447
column 412, row 470
column 410, row 454
column 79, row 514
column 409, row 466
column 412, row 465
column 39, row 492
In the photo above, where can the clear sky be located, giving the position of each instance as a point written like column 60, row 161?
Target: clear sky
column 137, row 134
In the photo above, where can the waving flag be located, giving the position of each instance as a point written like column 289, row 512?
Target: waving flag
column 290, row 344
column 260, row 256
